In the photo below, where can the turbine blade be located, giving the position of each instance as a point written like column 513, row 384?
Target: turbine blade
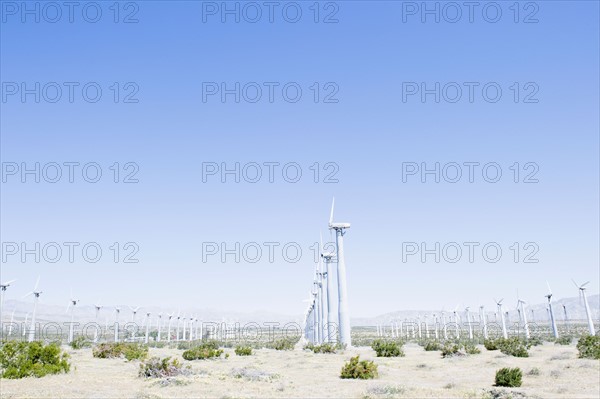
column 549, row 290
column 37, row 283
column 584, row 284
column 576, row 285
column 331, row 214
column 26, row 295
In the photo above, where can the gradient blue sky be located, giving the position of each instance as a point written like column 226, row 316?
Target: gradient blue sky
column 369, row 134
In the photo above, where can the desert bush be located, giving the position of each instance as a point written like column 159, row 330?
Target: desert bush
column 471, row 348
column 206, row 350
column 534, row 371
column 589, row 347
column 387, row 348
column 513, row 346
column 324, row 348
column 507, row 377
column 252, row 374
column 283, row 344
column 80, row 342
column 159, row 368
column 491, row 344
column 564, row 340
column 359, row 369
column 128, row 350
column 32, row 359
column 534, row 341
column 450, row 349
column 432, row 346
column 243, row 350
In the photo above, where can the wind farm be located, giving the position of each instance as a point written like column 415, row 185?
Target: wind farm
column 325, row 335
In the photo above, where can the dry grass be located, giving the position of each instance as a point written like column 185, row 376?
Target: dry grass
column 299, row 374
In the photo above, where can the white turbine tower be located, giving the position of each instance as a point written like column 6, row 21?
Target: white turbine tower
column 324, row 294
column 36, row 296
column 159, row 324
column 551, row 312
column 468, row 316
column 117, row 313
column 147, row 327
column 169, row 326
column 97, row 307
column 177, row 327
column 566, row 317
column 344, row 316
column 484, row 321
column 587, row 306
column 332, row 322
column 522, row 303
column 72, row 303
column 133, row 313
column 3, row 287
column 504, row 332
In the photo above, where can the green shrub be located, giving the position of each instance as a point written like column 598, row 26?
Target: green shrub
column 128, row 350
column 205, row 350
column 564, row 340
column 450, row 349
column 432, row 346
column 491, row 344
column 31, row 359
column 80, row 342
column 534, row 341
column 513, row 346
column 159, row 368
column 243, row 350
column 589, row 346
column 506, row 377
column 324, row 348
column 471, row 348
column 283, row 345
column 387, row 348
column 359, row 369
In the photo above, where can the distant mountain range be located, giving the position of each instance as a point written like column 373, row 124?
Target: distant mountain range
column 86, row 313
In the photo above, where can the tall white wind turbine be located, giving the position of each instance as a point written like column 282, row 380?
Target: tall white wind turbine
column 344, row 316
column 97, row 320
column 483, row 321
column 523, row 313
column 169, row 326
column 36, row 296
column 504, row 332
column 587, row 306
column 133, row 314
column 3, row 287
column 72, row 303
column 332, row 322
column 551, row 312
column 324, row 294
column 159, row 325
column 117, row 313
column 147, row 327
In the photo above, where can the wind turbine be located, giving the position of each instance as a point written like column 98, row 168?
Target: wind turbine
column 566, row 317
column 159, row 327
column 133, row 313
column 72, row 303
column 484, row 321
column 98, row 307
column 169, row 327
column 147, row 327
column 3, row 287
column 344, row 317
column 522, row 303
column 117, row 313
column 324, row 294
column 468, row 316
column 499, row 303
column 331, row 319
column 456, row 321
column 36, row 296
column 177, row 328
column 587, row 306
column 551, row 312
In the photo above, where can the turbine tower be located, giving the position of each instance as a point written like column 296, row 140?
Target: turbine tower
column 332, row 321
column 499, row 303
column 344, row 317
column 36, row 296
column 551, row 312
column 147, row 327
column 3, row 287
column 117, row 313
column 484, row 321
column 324, row 293
column 587, row 306
column 98, row 307
column 522, row 303
column 72, row 303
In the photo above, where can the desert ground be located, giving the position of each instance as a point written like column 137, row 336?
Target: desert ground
column 302, row 374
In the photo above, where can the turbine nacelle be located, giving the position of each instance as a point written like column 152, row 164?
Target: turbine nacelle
column 339, row 226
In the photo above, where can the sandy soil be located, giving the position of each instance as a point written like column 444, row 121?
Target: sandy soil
column 301, row 374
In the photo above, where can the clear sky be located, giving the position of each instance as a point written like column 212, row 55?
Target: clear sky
column 361, row 117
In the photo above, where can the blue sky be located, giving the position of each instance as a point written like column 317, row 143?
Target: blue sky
column 368, row 133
